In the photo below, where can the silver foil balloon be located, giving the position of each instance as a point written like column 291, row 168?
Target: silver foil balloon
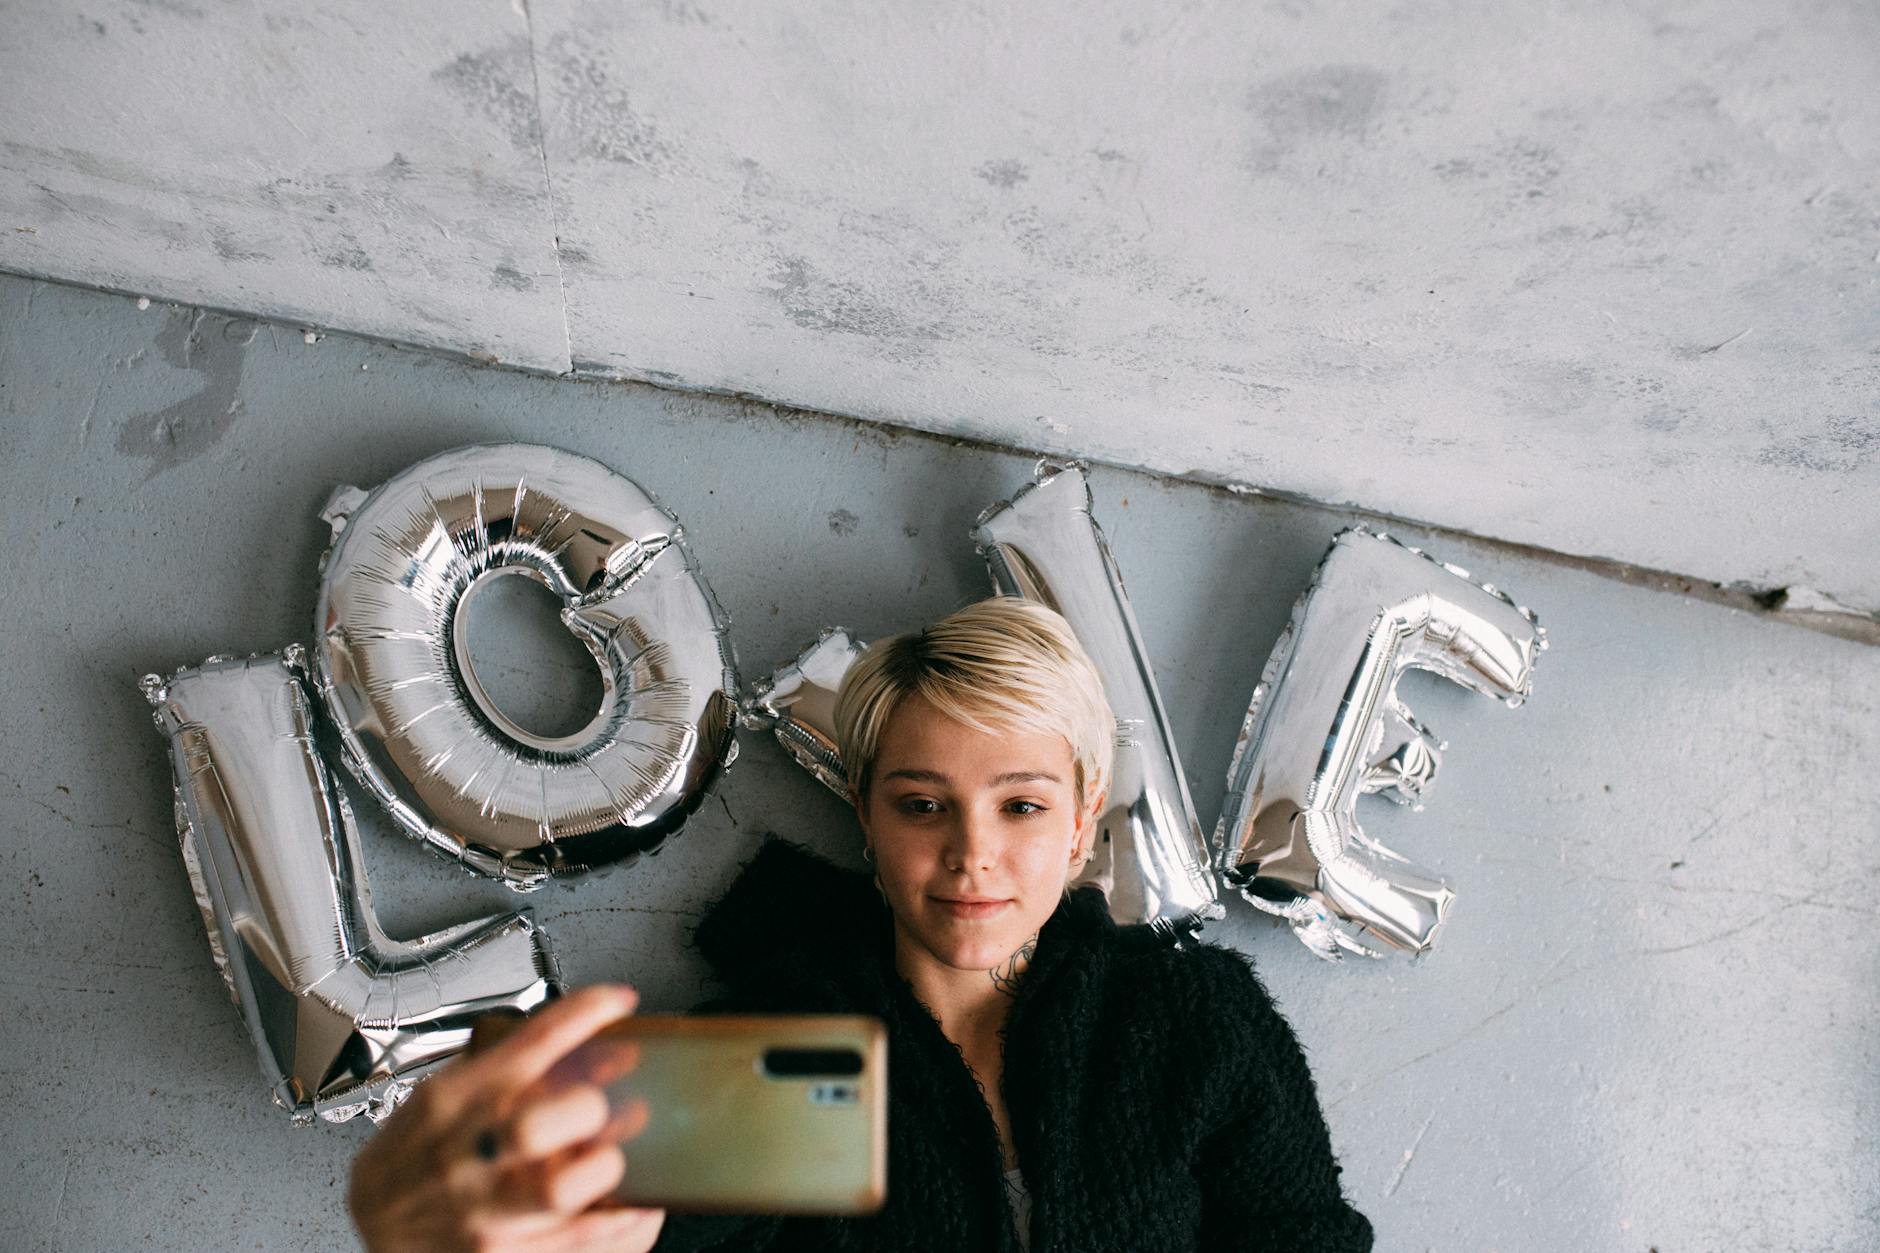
column 798, row 705
column 418, row 729
column 1150, row 857
column 1325, row 726
column 345, row 1018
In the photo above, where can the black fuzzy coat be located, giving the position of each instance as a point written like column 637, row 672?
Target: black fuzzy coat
column 1158, row 1101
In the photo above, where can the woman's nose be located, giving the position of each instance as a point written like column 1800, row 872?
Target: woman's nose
column 973, row 845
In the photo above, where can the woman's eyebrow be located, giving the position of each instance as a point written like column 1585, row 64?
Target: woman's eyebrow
column 923, row 776
column 1010, row 776
column 1025, row 776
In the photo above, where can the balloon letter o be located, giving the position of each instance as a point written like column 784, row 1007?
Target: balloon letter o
column 417, row 728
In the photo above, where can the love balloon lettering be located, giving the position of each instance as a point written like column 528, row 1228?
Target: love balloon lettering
column 346, row 1019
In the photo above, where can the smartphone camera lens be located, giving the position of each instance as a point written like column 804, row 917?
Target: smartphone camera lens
column 808, row 1063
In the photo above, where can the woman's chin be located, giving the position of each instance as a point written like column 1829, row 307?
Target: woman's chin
column 982, row 949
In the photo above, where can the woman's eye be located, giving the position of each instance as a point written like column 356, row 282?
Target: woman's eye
column 1025, row 808
column 919, row 805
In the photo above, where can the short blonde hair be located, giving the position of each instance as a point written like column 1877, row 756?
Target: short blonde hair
column 1002, row 664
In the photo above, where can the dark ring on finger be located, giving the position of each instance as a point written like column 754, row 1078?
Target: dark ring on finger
column 487, row 1145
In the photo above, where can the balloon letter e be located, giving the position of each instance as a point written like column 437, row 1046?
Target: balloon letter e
column 1325, row 727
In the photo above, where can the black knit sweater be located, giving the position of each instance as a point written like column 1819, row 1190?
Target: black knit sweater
column 1158, row 1101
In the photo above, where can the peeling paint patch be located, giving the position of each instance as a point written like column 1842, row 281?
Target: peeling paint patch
column 185, row 430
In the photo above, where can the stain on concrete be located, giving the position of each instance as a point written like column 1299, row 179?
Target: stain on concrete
column 594, row 114
column 214, row 348
column 176, row 8
column 230, row 248
column 499, row 83
column 1844, row 444
column 842, row 522
column 507, row 275
column 1532, row 168
column 347, row 255
column 681, row 13
column 1026, row 228
column 1329, row 102
column 1004, row 173
column 1635, row 215
column 816, row 302
column 1663, row 419
column 398, row 170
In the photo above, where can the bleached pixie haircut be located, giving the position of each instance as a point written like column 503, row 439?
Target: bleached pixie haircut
column 998, row 665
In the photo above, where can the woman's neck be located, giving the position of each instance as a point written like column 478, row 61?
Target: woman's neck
column 971, row 1005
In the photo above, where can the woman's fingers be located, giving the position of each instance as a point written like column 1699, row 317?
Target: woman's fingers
column 601, row 1060
column 599, row 1231
column 625, row 1122
column 493, row 1027
column 566, row 1183
column 557, row 1120
column 613, row 1231
column 480, row 1079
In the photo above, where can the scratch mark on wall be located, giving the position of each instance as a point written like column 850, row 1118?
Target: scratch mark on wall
column 1396, row 1178
column 1725, row 934
column 91, row 411
column 548, row 186
column 58, row 1203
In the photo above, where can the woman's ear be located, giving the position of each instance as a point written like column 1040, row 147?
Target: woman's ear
column 861, row 815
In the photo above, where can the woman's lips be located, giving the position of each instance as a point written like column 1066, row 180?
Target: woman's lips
column 969, row 907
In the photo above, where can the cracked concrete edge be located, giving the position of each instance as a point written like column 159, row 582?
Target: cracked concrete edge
column 1801, row 607
column 1793, row 606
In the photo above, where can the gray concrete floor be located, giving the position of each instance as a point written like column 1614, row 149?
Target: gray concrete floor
column 1651, row 1022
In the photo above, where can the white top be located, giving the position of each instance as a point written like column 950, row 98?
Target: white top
column 1016, row 1193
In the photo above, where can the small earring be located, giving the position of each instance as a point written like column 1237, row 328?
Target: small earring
column 868, row 852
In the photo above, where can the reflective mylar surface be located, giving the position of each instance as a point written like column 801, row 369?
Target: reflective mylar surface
column 344, row 1017
column 798, row 704
column 1150, row 858
column 416, row 726
column 1325, row 726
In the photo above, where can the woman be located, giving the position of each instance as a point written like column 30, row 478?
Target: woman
column 1057, row 1082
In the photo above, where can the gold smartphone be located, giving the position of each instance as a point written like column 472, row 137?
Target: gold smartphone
column 770, row 1114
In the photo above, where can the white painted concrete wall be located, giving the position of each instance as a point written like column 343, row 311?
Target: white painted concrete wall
column 1651, row 1022
column 1602, row 277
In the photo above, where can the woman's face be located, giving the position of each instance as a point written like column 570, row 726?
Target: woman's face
column 974, row 834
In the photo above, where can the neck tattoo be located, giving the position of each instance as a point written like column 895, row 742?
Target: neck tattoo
column 1006, row 974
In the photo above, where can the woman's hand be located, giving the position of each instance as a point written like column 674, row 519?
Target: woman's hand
column 504, row 1149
